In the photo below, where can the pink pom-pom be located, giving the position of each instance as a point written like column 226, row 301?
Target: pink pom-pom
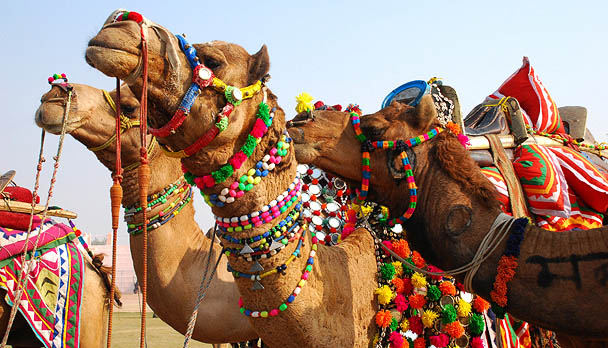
column 476, row 342
column 389, row 245
column 464, row 140
column 208, row 181
column 238, row 159
column 199, row 182
column 314, row 240
column 396, row 339
column 259, row 128
column 401, row 303
column 347, row 231
column 51, row 79
column 134, row 16
column 63, row 75
column 440, row 340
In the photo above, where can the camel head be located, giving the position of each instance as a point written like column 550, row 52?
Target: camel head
column 91, row 119
column 116, row 51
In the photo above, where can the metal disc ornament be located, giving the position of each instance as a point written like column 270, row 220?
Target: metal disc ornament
column 317, row 220
column 314, row 205
column 314, row 189
column 302, row 168
column 316, row 173
column 305, row 197
column 333, row 222
column 332, row 207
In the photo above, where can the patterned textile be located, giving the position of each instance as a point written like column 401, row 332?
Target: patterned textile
column 581, row 217
column 53, row 288
column 540, row 109
column 498, row 181
column 542, row 180
column 584, row 178
column 12, row 241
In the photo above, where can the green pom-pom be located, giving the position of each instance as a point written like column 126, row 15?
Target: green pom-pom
column 449, row 314
column 387, row 271
column 223, row 173
column 189, row 177
column 476, row 324
column 394, row 324
column 498, row 310
column 249, row 145
column 408, row 270
column 433, row 293
column 264, row 113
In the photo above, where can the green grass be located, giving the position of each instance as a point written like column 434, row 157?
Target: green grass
column 125, row 333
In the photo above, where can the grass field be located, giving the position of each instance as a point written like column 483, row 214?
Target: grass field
column 125, row 333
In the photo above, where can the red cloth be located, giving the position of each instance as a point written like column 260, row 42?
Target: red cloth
column 20, row 194
column 18, row 221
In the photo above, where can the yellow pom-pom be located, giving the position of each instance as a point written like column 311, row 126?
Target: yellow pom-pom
column 304, row 101
column 429, row 317
column 398, row 268
column 385, row 294
column 365, row 210
column 405, row 325
column 418, row 280
column 384, row 210
column 464, row 308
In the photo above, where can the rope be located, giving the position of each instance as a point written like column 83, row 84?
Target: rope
column 202, row 290
column 26, row 268
column 501, row 227
column 125, row 122
column 116, row 200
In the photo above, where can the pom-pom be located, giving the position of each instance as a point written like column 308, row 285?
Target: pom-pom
column 394, row 324
column 136, row 17
column 419, row 342
column 477, row 342
column 464, row 308
column 259, row 128
column 416, row 325
column 464, row 140
column 405, row 325
column 447, row 288
column 453, row 128
column 387, row 271
column 429, row 317
column 476, row 324
column 238, row 159
column 433, row 293
column 449, row 314
column 354, row 108
column 304, row 102
column 455, row 329
column 418, row 280
column 383, row 318
column 408, row 288
column 249, row 145
column 385, row 294
column 434, row 269
column 389, row 245
column 417, row 301
column 440, row 340
column 396, row 340
column 480, row 304
column 346, row 231
column 398, row 284
column 223, row 173
column 402, row 248
column 417, row 259
column 398, row 268
column 401, row 303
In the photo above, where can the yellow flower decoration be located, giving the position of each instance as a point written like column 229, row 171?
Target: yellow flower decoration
column 464, row 308
column 384, row 210
column 405, row 325
column 398, row 268
column 365, row 210
column 429, row 317
column 418, row 280
column 385, row 294
column 304, row 101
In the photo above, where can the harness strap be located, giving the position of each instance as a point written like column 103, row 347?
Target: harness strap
column 125, row 123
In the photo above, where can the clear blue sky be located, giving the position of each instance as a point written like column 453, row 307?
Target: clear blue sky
column 340, row 52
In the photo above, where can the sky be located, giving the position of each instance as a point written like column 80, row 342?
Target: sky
column 338, row 51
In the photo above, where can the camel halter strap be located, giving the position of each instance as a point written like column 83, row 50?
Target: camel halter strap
column 62, row 81
column 368, row 146
column 203, row 77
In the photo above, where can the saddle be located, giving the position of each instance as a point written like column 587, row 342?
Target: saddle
column 574, row 119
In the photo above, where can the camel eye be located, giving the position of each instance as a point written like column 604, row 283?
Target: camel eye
column 374, row 133
column 128, row 109
column 212, row 63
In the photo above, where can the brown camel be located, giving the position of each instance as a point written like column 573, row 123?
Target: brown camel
column 336, row 306
column 178, row 250
column 560, row 283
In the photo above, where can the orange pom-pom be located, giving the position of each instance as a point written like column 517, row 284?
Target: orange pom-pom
column 402, row 248
column 419, row 343
column 417, row 301
column 399, row 286
column 453, row 127
column 383, row 318
column 454, row 329
column 480, row 304
column 447, row 288
column 418, row 260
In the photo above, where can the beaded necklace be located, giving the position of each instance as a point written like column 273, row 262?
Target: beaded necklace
column 165, row 215
column 265, row 254
column 256, row 278
column 368, row 146
column 157, row 198
column 254, row 175
column 265, row 248
column 275, row 311
column 268, row 213
column 260, row 127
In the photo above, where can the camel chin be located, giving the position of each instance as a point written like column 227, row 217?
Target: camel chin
column 53, row 125
column 111, row 61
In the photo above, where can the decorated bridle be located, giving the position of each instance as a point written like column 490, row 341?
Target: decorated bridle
column 367, row 146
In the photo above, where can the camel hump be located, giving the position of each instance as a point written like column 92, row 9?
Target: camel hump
column 574, row 119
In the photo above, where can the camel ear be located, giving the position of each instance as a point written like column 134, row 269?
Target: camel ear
column 259, row 65
column 423, row 115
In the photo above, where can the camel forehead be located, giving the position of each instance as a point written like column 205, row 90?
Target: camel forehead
column 229, row 49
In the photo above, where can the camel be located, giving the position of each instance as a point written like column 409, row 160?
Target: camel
column 177, row 251
column 560, row 282
column 336, row 306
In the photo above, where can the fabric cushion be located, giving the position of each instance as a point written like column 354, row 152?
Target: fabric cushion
column 588, row 183
column 581, row 217
column 542, row 181
column 498, row 181
column 534, row 98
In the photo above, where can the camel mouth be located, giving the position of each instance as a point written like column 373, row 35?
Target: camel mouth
column 115, row 50
column 53, row 124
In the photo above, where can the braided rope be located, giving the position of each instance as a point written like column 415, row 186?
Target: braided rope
column 28, row 265
column 125, row 122
column 202, row 290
